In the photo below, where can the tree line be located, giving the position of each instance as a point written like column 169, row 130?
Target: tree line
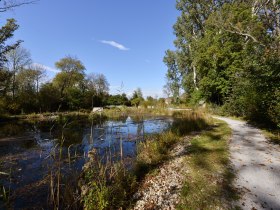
column 24, row 89
column 228, row 54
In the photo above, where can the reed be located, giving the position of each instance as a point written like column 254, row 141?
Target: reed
column 5, row 192
column 106, row 185
column 187, row 122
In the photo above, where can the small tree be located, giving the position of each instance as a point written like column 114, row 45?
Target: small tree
column 71, row 76
column 137, row 97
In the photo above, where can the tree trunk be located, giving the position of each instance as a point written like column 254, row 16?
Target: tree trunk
column 13, row 84
column 194, row 77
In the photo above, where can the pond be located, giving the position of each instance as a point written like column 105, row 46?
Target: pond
column 30, row 152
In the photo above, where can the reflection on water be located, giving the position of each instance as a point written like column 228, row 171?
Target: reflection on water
column 28, row 151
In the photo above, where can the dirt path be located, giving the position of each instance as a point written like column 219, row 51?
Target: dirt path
column 257, row 166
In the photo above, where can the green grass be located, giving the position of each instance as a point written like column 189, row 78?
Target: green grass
column 208, row 182
column 273, row 136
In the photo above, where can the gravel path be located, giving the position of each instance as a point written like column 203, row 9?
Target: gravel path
column 162, row 191
column 257, row 166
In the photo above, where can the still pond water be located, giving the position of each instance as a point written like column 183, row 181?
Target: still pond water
column 29, row 152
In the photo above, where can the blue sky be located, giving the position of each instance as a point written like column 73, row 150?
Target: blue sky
column 123, row 39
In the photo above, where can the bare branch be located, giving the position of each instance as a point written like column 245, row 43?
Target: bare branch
column 11, row 4
column 236, row 30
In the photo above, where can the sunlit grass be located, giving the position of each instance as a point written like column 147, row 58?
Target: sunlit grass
column 208, row 183
column 273, row 136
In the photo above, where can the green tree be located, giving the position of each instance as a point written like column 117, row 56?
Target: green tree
column 7, row 32
column 137, row 97
column 71, row 77
column 49, row 97
column 228, row 53
column 119, row 99
column 173, row 76
column 26, row 96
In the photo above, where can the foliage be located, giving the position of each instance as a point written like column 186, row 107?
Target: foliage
column 228, row 54
column 49, row 97
column 119, row 99
column 7, row 32
column 137, row 97
column 23, row 89
column 71, row 77
column 173, row 76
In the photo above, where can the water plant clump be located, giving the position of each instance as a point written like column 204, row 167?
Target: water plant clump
column 106, row 186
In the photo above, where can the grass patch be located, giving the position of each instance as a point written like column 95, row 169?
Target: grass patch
column 273, row 136
column 208, row 183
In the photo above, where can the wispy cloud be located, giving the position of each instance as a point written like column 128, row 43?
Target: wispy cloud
column 47, row 68
column 115, row 44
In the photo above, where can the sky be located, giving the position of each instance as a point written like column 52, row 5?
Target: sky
column 123, row 39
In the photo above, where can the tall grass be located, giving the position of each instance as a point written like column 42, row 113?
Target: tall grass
column 64, row 192
column 107, row 186
column 153, row 151
column 5, row 192
column 123, row 112
column 186, row 122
